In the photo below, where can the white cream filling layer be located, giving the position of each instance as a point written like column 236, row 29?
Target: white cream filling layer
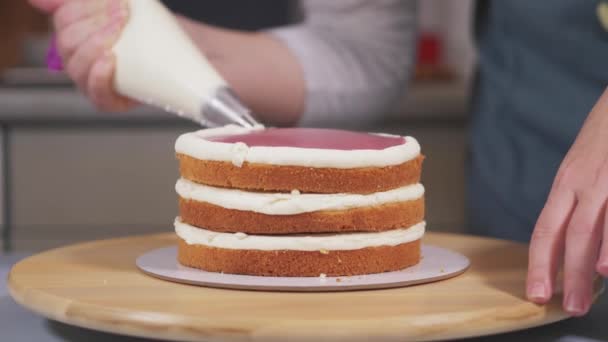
column 291, row 203
column 317, row 242
column 195, row 145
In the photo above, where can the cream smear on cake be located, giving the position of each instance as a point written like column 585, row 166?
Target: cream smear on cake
column 197, row 145
column 317, row 242
column 291, row 203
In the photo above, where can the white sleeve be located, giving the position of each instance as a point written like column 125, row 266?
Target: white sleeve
column 356, row 56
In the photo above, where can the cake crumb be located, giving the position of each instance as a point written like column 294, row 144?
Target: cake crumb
column 322, row 275
column 295, row 192
column 324, row 251
column 338, row 280
column 240, row 235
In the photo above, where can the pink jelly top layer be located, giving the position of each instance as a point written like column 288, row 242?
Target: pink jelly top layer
column 330, row 139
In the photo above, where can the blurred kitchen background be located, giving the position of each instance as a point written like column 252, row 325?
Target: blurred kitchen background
column 71, row 173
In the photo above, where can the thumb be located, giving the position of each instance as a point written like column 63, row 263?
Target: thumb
column 48, row 6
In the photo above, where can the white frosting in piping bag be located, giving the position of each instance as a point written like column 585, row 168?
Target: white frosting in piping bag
column 157, row 63
column 316, row 242
column 291, row 203
column 195, row 145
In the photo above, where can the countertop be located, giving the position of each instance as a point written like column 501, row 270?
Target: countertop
column 18, row 324
column 63, row 104
column 32, row 95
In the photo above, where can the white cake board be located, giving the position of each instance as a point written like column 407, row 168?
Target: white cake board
column 437, row 264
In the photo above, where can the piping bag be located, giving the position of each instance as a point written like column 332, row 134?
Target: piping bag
column 158, row 64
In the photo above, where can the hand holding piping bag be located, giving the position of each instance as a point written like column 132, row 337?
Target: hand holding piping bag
column 85, row 34
column 121, row 52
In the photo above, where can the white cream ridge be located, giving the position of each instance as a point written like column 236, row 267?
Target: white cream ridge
column 317, row 242
column 196, row 145
column 294, row 202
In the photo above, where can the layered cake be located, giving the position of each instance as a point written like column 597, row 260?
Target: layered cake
column 298, row 202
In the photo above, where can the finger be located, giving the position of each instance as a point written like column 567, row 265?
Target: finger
column 101, row 87
column 79, row 66
column 73, row 36
column 77, row 10
column 602, row 263
column 547, row 244
column 582, row 249
column 48, row 6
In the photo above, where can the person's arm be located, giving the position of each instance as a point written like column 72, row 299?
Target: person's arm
column 347, row 61
column 356, row 56
column 260, row 69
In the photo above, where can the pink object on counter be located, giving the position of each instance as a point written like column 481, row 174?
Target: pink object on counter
column 313, row 138
column 53, row 59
